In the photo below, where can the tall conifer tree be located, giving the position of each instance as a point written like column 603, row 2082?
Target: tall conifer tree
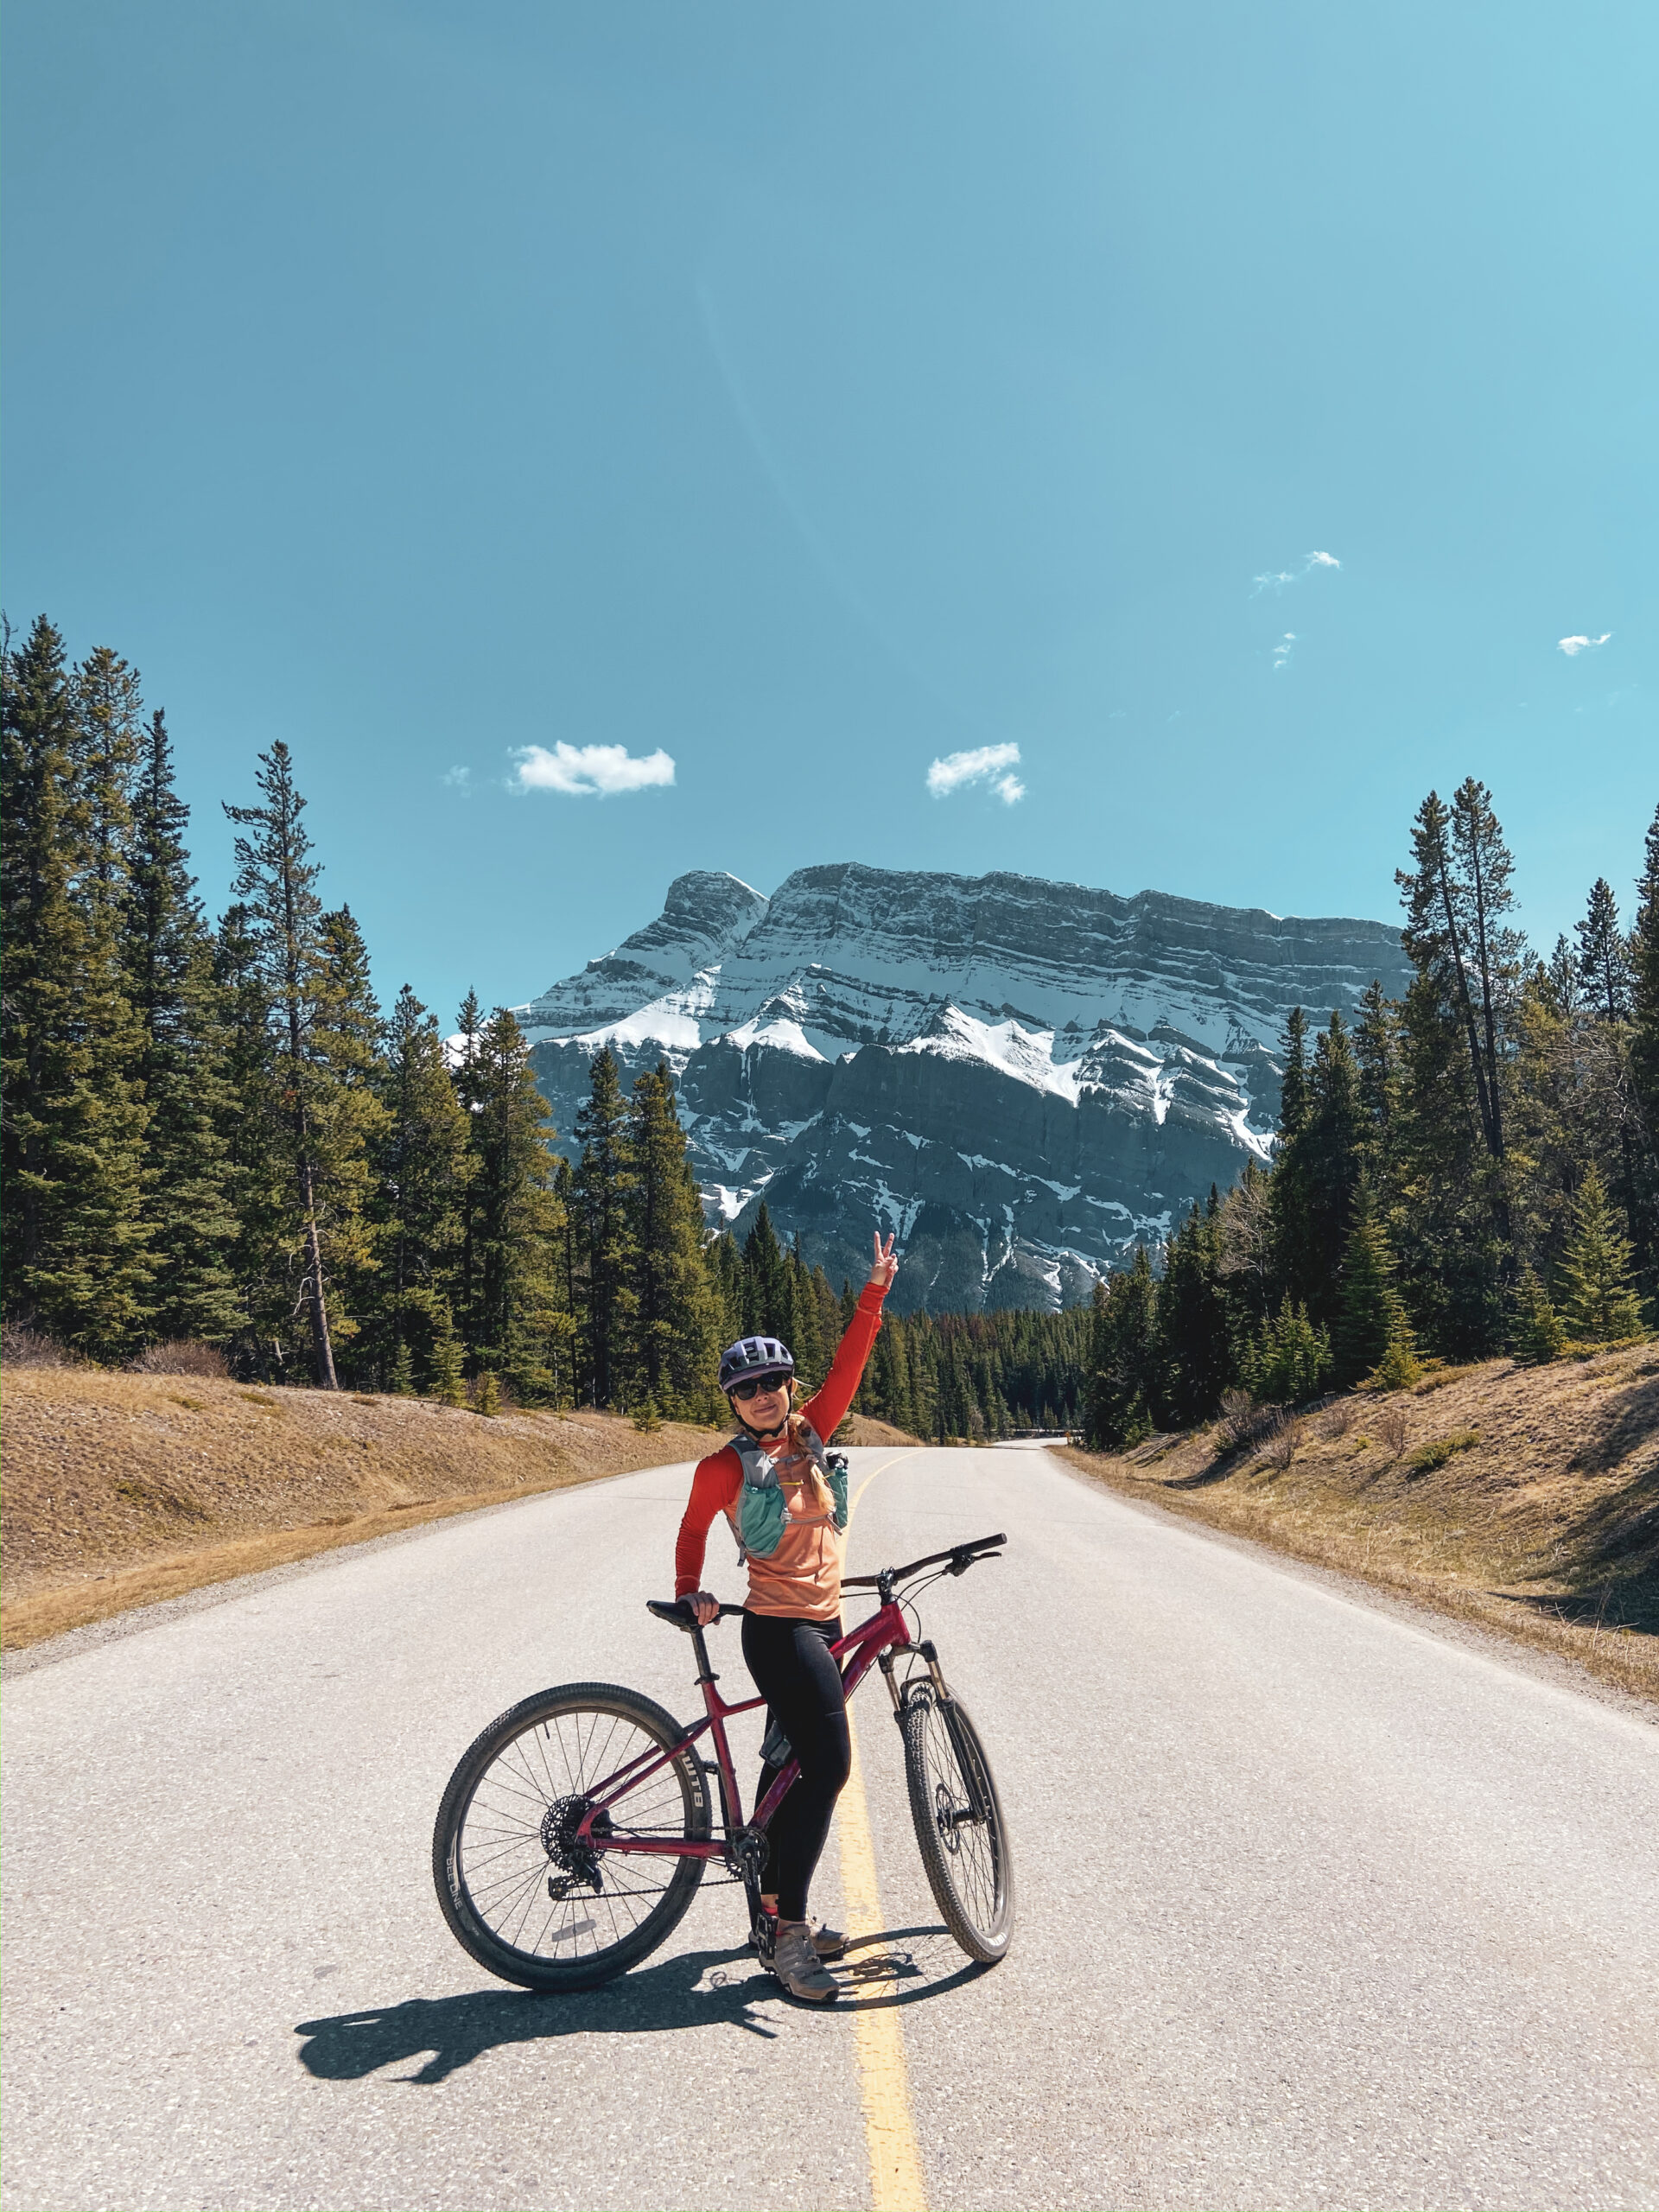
column 602, row 1184
column 74, row 1118
column 674, row 1317
column 276, row 884
column 176, row 997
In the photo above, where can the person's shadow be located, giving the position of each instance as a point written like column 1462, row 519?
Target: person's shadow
column 700, row 1989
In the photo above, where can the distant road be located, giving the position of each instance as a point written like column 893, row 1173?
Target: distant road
column 1319, row 1905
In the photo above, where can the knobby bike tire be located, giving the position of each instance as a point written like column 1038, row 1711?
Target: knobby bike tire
column 491, row 1861
column 960, row 1828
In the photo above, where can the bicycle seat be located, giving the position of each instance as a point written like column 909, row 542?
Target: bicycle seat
column 672, row 1611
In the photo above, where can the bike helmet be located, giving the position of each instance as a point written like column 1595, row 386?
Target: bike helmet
column 754, row 1356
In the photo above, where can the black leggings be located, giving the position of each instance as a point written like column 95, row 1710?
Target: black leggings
column 795, row 1672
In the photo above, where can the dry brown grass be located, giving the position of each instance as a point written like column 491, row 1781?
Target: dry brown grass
column 1525, row 1499
column 122, row 1488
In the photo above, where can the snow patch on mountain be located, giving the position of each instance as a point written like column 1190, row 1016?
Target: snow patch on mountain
column 1022, row 1078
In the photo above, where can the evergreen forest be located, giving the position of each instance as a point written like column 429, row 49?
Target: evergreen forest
column 215, row 1134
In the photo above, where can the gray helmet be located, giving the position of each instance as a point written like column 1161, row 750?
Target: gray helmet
column 754, row 1356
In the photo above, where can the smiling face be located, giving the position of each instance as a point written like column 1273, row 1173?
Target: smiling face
column 768, row 1409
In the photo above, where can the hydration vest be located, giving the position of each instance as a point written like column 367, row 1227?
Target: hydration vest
column 760, row 1513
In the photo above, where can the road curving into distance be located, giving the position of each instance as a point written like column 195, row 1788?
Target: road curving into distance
column 1320, row 1904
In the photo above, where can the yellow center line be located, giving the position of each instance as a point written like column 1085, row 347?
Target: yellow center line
column 897, row 2183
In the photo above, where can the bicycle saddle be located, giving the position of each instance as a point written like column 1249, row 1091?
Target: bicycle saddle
column 672, row 1611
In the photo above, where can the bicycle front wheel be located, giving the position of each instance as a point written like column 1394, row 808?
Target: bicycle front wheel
column 521, row 1890
column 960, row 1828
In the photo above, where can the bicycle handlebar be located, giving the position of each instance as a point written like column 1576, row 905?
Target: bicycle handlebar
column 956, row 1561
column 960, row 1558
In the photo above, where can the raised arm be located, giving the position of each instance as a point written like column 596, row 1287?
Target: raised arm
column 826, row 1407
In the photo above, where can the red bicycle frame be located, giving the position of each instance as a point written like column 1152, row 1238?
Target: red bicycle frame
column 872, row 1643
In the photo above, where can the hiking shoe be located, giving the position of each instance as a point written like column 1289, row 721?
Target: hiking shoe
column 828, row 1942
column 798, row 1967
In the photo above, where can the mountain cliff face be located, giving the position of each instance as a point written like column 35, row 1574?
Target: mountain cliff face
column 1021, row 1078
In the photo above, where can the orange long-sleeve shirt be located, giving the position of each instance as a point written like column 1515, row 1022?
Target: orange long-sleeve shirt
column 810, row 1587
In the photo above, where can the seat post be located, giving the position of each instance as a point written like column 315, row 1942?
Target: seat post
column 705, row 1672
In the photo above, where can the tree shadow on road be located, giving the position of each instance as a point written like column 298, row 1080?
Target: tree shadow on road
column 721, row 1988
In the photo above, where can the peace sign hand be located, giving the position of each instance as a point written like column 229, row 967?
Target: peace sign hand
column 885, row 1265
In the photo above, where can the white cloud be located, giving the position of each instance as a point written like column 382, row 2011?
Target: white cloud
column 580, row 771
column 1276, row 579
column 1574, row 646
column 979, row 767
column 1283, row 650
column 458, row 779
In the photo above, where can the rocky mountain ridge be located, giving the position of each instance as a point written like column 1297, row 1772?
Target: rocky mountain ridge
column 1021, row 1077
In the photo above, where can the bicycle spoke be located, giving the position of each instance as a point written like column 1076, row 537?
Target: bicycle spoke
column 508, row 1861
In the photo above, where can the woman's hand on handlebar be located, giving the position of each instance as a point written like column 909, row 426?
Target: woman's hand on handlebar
column 704, row 1608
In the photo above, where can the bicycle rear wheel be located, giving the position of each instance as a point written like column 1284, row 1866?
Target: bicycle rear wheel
column 519, row 1890
column 960, row 1829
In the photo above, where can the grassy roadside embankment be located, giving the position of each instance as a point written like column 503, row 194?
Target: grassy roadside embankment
column 1525, row 1499
column 122, row 1490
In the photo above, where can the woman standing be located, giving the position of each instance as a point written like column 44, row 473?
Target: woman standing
column 788, row 1511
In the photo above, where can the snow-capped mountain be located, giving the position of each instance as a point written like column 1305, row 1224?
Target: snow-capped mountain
column 1021, row 1077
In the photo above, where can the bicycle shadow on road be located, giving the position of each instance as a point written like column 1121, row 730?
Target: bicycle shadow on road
column 700, row 1989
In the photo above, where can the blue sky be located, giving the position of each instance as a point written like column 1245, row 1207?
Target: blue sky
column 811, row 394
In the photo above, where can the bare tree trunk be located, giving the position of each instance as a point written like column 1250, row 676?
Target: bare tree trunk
column 322, row 1350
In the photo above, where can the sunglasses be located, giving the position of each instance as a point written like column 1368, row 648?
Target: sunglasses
column 758, row 1386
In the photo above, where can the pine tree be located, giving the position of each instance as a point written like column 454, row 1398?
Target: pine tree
column 275, row 881
column 1469, row 962
column 1293, row 1104
column 1193, row 1317
column 258, row 1182
column 71, row 1193
column 421, row 1162
column 602, row 1184
column 1329, row 1154
column 400, row 1381
column 517, row 1310
column 1292, row 1358
column 1125, row 1378
column 1538, row 1335
column 1376, row 1053
column 1372, row 1317
column 1289, row 1196
column 448, row 1371
column 174, row 992
column 1597, row 1303
column 675, row 1353
column 768, row 1288
column 1604, row 957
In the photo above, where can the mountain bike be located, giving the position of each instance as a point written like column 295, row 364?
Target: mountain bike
column 574, row 1834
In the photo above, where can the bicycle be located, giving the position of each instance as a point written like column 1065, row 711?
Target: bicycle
column 593, row 1801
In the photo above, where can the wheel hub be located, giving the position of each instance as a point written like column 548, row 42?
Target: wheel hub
column 573, row 1854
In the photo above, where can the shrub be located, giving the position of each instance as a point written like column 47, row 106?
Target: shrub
column 487, row 1394
column 647, row 1417
column 1427, row 1457
column 1280, row 1447
column 23, row 1347
column 1399, row 1367
column 1390, row 1426
column 182, row 1356
column 1243, row 1422
column 1340, row 1419
column 1292, row 1358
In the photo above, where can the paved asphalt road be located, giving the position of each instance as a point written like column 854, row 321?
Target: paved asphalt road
column 1318, row 1906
